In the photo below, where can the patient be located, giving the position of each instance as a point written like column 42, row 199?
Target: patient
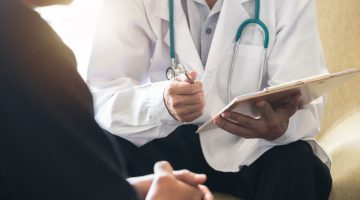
column 50, row 145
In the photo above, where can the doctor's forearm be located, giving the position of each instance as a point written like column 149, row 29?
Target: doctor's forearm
column 137, row 113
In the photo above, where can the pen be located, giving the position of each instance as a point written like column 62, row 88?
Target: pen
column 188, row 77
column 184, row 76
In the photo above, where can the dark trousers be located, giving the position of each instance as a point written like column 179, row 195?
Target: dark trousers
column 285, row 172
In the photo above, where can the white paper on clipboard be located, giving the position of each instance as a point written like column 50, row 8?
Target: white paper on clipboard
column 311, row 88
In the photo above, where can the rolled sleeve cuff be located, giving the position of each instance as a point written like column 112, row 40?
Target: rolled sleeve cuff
column 158, row 110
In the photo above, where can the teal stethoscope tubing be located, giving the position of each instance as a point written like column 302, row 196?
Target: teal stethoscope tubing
column 171, row 28
column 175, row 69
column 256, row 20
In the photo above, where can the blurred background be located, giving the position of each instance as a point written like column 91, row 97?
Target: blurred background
column 75, row 24
column 339, row 25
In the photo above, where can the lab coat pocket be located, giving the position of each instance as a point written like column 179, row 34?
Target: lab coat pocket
column 246, row 69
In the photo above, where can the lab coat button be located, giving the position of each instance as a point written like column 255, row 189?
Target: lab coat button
column 208, row 31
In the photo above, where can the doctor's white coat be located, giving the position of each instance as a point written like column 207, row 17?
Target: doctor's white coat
column 131, row 53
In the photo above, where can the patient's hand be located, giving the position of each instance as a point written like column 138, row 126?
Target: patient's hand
column 169, row 184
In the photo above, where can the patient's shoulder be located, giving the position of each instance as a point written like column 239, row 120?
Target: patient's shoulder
column 25, row 36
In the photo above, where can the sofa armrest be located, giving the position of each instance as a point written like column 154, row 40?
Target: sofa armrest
column 342, row 142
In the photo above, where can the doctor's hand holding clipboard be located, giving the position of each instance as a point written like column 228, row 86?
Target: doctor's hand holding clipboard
column 272, row 124
column 184, row 97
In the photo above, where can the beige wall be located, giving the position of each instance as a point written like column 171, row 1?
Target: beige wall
column 339, row 25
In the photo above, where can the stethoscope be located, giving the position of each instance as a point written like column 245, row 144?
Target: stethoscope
column 176, row 69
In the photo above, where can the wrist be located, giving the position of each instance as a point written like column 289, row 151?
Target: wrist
column 165, row 95
column 141, row 185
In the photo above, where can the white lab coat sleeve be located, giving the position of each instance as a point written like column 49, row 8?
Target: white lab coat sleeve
column 127, row 104
column 297, row 53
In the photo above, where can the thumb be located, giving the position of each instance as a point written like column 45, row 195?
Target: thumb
column 188, row 77
column 192, row 75
column 163, row 168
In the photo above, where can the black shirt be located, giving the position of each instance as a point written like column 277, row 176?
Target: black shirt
column 50, row 145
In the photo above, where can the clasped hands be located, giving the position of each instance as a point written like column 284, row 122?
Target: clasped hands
column 185, row 102
column 168, row 184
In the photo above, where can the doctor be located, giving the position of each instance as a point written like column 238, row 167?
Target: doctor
column 139, row 44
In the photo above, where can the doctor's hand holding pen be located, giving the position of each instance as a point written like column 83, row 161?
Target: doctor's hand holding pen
column 184, row 98
column 272, row 124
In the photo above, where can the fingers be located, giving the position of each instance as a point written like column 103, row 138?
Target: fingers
column 189, row 177
column 234, row 128
column 185, row 110
column 291, row 108
column 265, row 110
column 166, row 186
column 193, row 75
column 189, row 77
column 163, row 168
column 195, row 180
column 190, row 117
column 184, row 88
column 272, row 124
column 207, row 195
column 287, row 107
column 185, row 101
column 242, row 120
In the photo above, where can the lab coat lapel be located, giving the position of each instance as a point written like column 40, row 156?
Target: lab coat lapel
column 184, row 44
column 232, row 14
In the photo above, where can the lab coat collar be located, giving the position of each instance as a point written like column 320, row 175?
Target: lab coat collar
column 161, row 8
column 232, row 14
column 184, row 45
column 230, row 19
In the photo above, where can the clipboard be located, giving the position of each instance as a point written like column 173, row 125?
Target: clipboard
column 310, row 88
